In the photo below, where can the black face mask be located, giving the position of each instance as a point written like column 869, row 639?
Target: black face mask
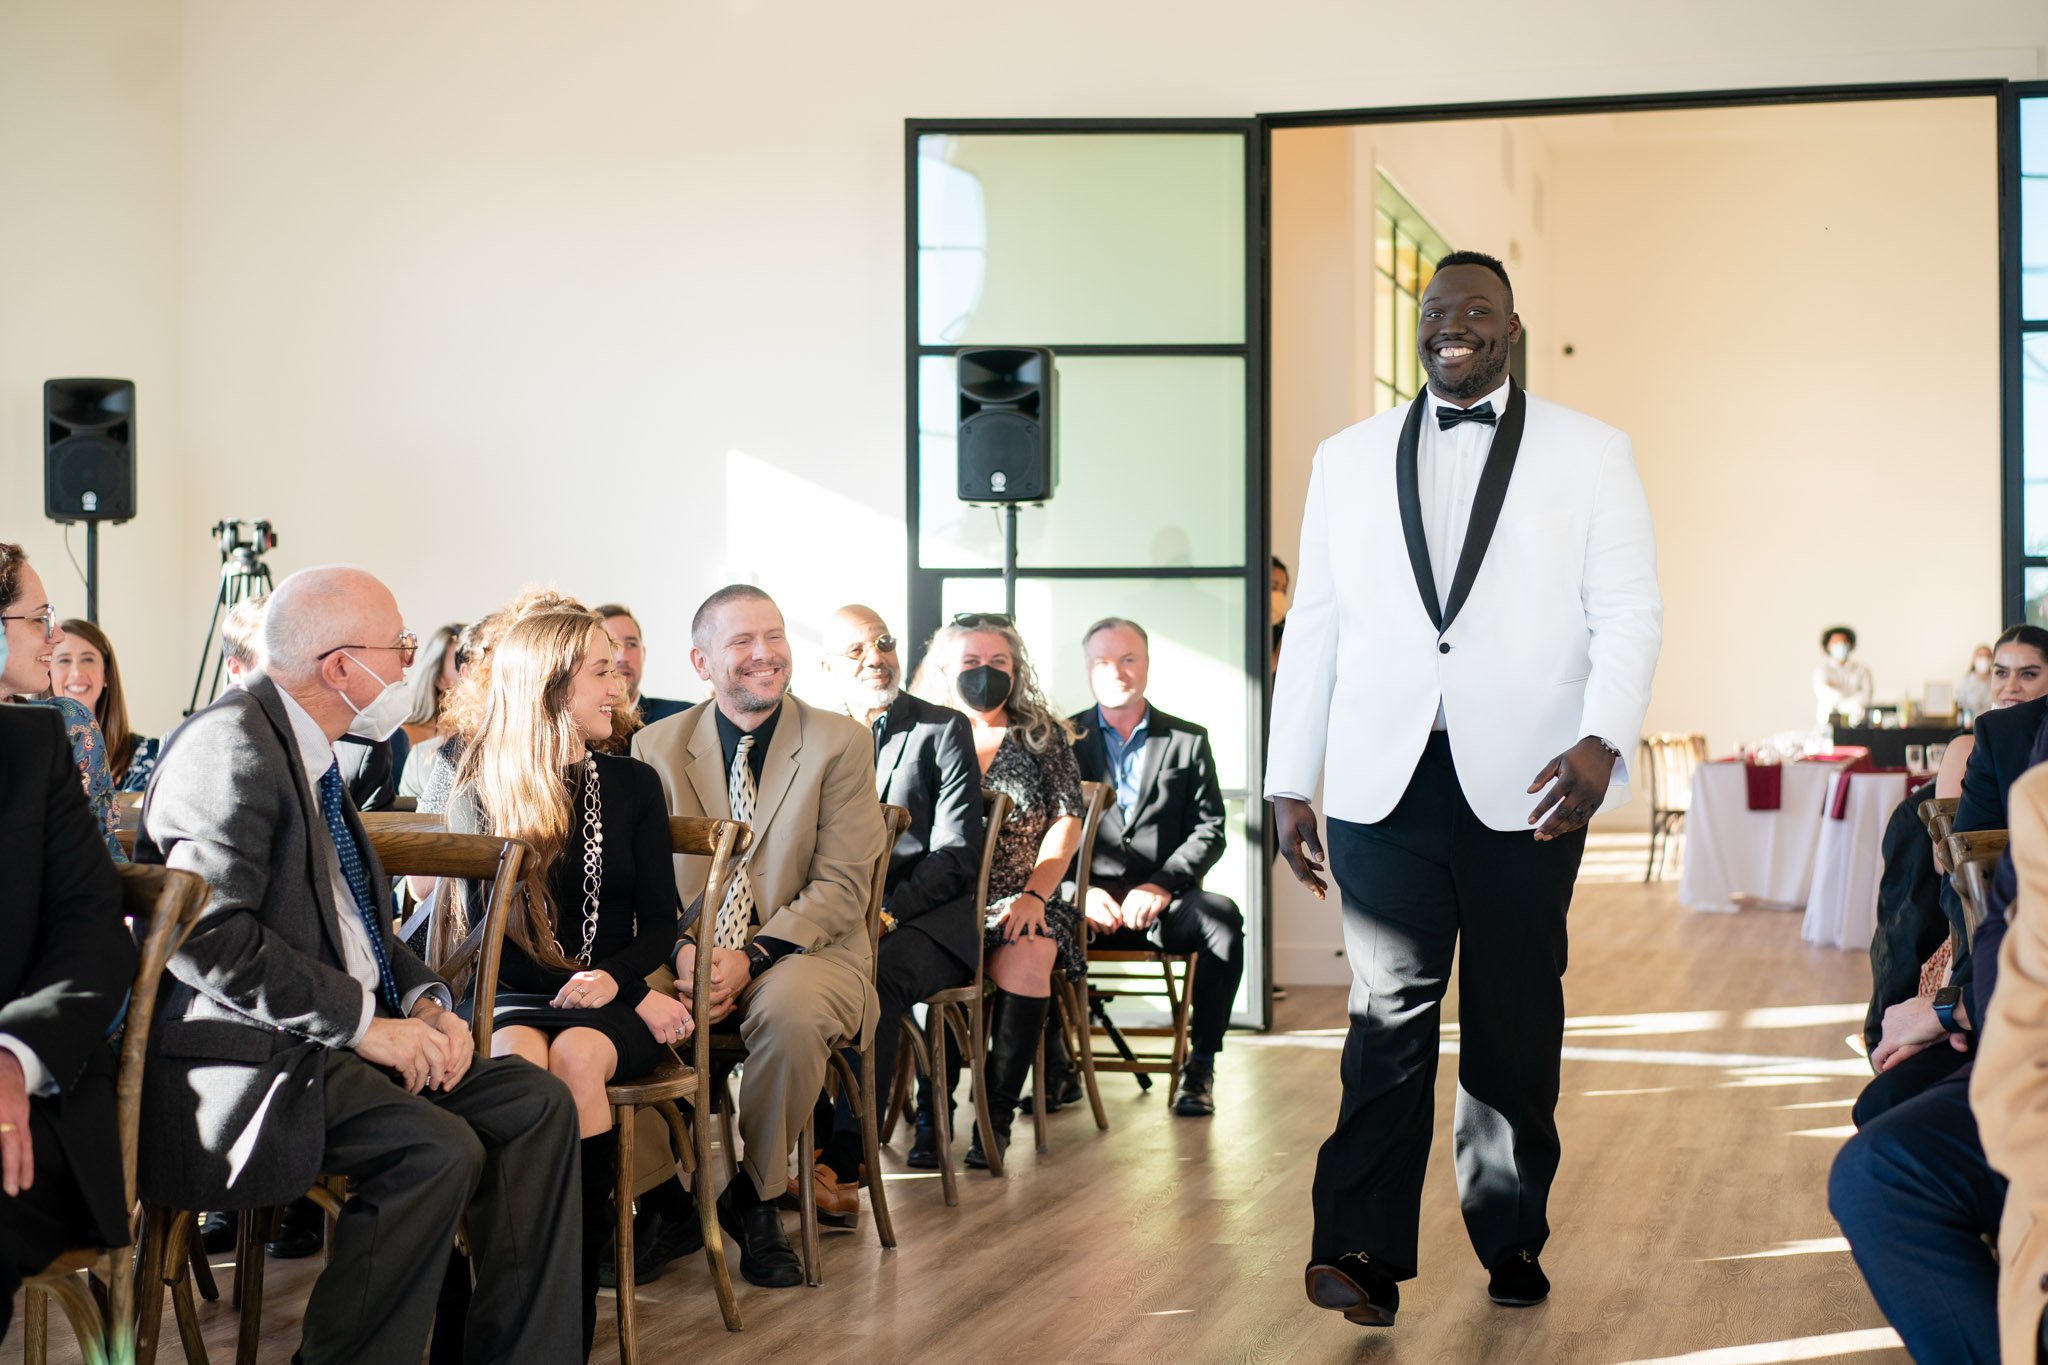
column 984, row 688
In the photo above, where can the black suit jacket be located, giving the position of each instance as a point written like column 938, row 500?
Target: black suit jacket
column 66, row 958
column 2008, row 743
column 1175, row 834
column 1911, row 923
column 925, row 763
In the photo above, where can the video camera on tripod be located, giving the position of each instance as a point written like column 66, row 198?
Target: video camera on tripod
column 243, row 575
column 261, row 540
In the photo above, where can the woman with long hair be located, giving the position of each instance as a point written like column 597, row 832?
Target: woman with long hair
column 83, row 668
column 29, row 639
column 573, row 996
column 2018, row 673
column 439, row 666
column 978, row 665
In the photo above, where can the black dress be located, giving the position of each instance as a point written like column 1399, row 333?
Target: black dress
column 636, row 911
column 1042, row 788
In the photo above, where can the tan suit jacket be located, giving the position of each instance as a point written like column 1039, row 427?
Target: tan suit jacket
column 2009, row 1081
column 817, row 826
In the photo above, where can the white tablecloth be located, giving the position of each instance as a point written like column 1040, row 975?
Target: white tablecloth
column 1763, row 856
column 1842, row 911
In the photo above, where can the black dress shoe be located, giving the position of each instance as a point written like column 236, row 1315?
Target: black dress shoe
column 217, row 1233
column 658, row 1243
column 766, row 1257
column 924, row 1148
column 1353, row 1284
column 301, row 1231
column 1195, row 1095
column 1065, row 1090
column 1518, row 1281
column 976, row 1159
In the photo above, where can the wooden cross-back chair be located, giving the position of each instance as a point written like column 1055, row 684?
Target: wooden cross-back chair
column 406, row 846
column 1669, row 762
column 1071, row 999
column 731, row 1050
column 1974, row 856
column 958, row 1015
column 164, row 906
column 1938, row 815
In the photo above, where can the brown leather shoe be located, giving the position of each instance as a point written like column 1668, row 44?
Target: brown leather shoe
column 838, row 1200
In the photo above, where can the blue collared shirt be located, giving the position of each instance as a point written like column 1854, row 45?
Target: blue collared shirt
column 1126, row 759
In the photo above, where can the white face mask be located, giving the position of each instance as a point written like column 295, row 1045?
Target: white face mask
column 1980, row 666
column 1839, row 652
column 379, row 720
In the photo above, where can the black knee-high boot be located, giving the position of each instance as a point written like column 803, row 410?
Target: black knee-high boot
column 1013, row 1044
column 600, row 1163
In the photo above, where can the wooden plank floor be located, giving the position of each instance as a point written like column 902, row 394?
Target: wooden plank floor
column 1707, row 1087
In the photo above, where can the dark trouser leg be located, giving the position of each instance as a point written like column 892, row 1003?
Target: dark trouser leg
column 599, row 1161
column 501, row 1148
column 1400, row 933
column 1915, row 1197
column 1912, row 1077
column 1513, row 893
column 909, row 966
column 46, row 1218
column 1210, row 927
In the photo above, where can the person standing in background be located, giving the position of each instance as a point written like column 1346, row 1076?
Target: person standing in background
column 1974, row 694
column 1841, row 684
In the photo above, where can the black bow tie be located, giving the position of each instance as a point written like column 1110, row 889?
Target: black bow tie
column 1448, row 416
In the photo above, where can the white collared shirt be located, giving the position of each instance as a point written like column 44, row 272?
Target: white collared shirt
column 1447, row 469
column 317, row 753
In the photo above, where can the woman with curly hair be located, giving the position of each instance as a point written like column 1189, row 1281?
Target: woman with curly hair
column 978, row 665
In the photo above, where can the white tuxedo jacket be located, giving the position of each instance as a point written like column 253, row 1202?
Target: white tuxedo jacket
column 1550, row 633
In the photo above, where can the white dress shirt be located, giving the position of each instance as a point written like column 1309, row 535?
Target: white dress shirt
column 1447, row 469
column 317, row 753
column 35, row 1077
column 1844, row 687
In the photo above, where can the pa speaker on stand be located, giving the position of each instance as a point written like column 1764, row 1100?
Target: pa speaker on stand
column 89, row 462
column 1008, row 438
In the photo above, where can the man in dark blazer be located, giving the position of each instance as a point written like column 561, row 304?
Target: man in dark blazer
column 1160, row 834
column 625, row 629
column 301, row 1036
column 66, row 961
column 924, row 762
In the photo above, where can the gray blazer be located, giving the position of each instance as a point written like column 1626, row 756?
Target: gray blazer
column 233, row 1097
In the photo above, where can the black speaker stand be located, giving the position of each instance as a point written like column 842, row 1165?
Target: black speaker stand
column 92, row 572
column 1010, row 560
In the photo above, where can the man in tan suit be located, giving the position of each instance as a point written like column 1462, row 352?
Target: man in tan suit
column 2009, row 1082
column 789, row 946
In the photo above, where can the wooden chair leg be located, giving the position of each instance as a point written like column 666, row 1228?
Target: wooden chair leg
column 196, row 1258
column 1073, row 1005
column 863, row 1099
column 807, row 1199
column 249, row 1282
column 187, row 1311
column 1038, row 1090
column 704, row 1188
column 35, row 1326
column 930, row 1055
column 977, row 1066
column 149, row 1281
column 80, row 1310
column 1182, row 1003
column 622, row 1233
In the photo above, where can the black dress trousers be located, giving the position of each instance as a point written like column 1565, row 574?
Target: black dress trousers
column 1411, row 884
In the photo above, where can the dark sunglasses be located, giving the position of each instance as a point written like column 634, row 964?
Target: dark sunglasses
column 882, row 644
column 981, row 620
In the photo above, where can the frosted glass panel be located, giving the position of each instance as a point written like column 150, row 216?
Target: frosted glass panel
column 1151, row 469
column 1107, row 239
column 2034, row 209
column 1197, row 631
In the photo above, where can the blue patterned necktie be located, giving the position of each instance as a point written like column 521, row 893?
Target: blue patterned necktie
column 358, row 879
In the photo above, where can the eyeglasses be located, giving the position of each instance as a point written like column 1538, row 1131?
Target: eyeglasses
column 981, row 620
column 408, row 645
column 48, row 616
column 881, row 644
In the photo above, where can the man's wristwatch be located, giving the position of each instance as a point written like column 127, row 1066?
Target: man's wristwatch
column 1612, row 752
column 1945, row 1001
column 758, row 960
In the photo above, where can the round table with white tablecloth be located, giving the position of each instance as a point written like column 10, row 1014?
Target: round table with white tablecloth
column 1841, row 911
column 1735, row 855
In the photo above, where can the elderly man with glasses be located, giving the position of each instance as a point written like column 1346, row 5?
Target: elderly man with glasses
column 924, row 762
column 300, row 1036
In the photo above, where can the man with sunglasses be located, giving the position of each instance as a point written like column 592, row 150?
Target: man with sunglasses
column 300, row 1036
column 924, row 762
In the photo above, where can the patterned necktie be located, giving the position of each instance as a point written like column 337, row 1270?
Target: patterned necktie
column 1448, row 416
column 736, row 914
column 358, row 879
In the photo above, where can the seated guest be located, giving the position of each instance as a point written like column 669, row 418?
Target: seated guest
column 301, row 1037
column 1156, row 841
column 83, row 668
column 1841, row 685
column 979, row 667
column 924, row 762
column 791, row 963
column 2019, row 672
column 65, row 967
column 440, row 665
column 625, row 629
column 2005, row 1084
column 573, row 996
column 1974, row 691
column 1913, row 1191
column 33, row 638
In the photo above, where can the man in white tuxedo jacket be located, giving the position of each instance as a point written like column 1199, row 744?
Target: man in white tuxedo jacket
column 1475, row 625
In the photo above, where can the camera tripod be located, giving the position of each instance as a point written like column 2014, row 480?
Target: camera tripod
column 243, row 575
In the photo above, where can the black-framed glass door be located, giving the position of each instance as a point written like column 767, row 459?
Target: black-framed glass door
column 1131, row 248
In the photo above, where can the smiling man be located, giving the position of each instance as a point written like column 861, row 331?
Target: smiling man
column 791, row 964
column 1466, row 730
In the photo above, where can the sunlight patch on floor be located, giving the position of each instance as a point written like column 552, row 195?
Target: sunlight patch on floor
column 1842, row 1132
column 1794, row 1348
column 1812, row 1246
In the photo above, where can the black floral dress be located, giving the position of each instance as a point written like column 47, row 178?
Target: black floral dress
column 1042, row 788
